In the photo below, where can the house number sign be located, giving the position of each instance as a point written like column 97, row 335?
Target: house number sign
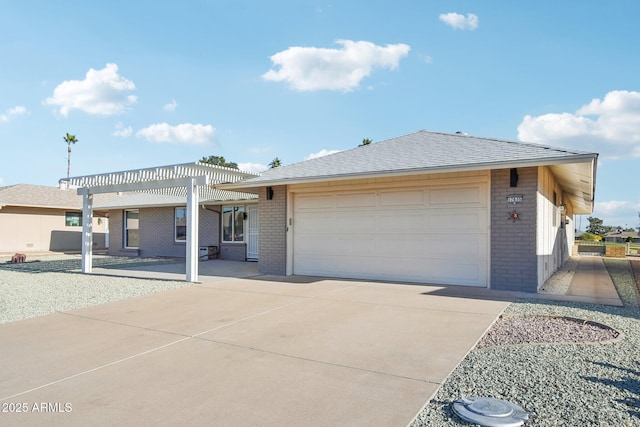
column 514, row 199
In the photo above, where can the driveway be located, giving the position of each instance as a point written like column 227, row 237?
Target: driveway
column 262, row 351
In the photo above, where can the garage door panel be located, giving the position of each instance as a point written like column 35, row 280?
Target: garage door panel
column 457, row 220
column 401, row 198
column 308, row 222
column 317, row 265
column 456, row 196
column 316, row 245
column 356, row 246
column 354, row 222
column 314, row 202
column 463, row 273
column 406, row 221
column 356, row 200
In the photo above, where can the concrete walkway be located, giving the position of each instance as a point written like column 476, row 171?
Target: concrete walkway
column 244, row 352
column 590, row 282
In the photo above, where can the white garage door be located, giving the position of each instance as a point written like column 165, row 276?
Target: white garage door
column 434, row 234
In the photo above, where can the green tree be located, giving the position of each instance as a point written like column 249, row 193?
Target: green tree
column 365, row 141
column 219, row 161
column 595, row 226
column 275, row 163
column 69, row 139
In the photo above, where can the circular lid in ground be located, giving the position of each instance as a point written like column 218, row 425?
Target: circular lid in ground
column 490, row 412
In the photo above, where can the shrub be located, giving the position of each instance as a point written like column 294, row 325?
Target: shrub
column 591, row 237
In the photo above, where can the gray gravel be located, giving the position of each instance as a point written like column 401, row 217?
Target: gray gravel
column 38, row 288
column 558, row 384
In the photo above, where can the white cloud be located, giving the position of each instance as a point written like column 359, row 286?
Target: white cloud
column 102, row 92
column 617, row 213
column 615, row 207
column 610, row 126
column 312, row 68
column 252, row 167
column 171, row 106
column 122, row 131
column 321, row 153
column 185, row 133
column 1, row 181
column 460, row 22
column 12, row 113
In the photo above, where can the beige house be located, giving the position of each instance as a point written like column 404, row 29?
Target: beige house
column 41, row 218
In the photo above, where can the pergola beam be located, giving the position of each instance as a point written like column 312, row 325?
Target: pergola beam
column 144, row 185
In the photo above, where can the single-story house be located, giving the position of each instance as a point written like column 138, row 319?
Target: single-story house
column 426, row 207
column 621, row 236
column 42, row 218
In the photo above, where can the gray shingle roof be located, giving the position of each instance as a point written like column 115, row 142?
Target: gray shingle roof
column 28, row 195
column 418, row 152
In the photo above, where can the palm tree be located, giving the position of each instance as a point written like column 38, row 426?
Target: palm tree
column 275, row 163
column 69, row 139
column 365, row 141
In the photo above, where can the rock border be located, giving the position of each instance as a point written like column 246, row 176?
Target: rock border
column 500, row 334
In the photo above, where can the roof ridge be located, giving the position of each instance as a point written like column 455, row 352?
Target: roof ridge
column 507, row 141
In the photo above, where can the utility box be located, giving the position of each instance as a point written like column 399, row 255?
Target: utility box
column 208, row 252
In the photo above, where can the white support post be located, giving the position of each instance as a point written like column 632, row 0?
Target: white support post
column 87, row 232
column 192, row 231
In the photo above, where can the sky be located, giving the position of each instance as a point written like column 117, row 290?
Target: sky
column 153, row 83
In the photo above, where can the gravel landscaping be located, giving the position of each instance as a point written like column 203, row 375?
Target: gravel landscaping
column 559, row 383
column 54, row 283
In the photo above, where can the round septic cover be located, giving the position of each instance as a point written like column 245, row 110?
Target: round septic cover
column 490, row 412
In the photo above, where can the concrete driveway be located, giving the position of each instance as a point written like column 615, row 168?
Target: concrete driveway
column 261, row 351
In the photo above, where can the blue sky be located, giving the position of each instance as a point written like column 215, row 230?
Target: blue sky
column 147, row 83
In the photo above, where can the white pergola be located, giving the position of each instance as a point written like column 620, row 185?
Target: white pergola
column 196, row 181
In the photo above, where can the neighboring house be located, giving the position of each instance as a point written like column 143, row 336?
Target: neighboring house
column 621, row 236
column 428, row 207
column 41, row 218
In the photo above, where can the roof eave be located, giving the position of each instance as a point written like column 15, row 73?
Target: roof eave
column 582, row 158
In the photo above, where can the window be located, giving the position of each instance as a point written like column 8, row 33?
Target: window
column 180, row 233
column 233, row 223
column 73, row 219
column 131, row 225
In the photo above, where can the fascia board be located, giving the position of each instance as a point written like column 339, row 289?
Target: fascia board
column 408, row 172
